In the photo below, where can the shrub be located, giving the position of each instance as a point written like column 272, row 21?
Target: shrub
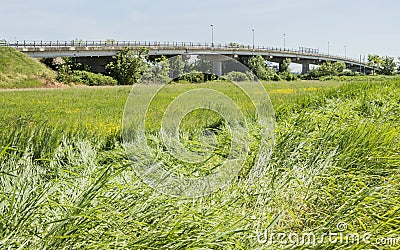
column 193, row 77
column 237, row 76
column 259, row 67
column 327, row 69
column 287, row 76
column 64, row 74
column 92, row 79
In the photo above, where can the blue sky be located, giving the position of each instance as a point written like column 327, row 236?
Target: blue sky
column 362, row 26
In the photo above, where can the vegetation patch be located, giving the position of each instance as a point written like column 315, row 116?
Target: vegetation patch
column 335, row 162
column 18, row 70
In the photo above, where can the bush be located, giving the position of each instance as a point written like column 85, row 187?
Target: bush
column 64, row 74
column 287, row 76
column 327, row 69
column 194, row 77
column 238, row 76
column 92, row 79
column 259, row 67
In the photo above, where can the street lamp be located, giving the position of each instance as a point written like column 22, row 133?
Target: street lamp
column 328, row 47
column 345, row 51
column 253, row 37
column 284, row 41
column 212, row 35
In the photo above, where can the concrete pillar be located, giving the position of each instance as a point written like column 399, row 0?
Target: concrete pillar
column 305, row 68
column 280, row 66
column 217, row 68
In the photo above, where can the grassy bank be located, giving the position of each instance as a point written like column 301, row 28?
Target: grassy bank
column 18, row 70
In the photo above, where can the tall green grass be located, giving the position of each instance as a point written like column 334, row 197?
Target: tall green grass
column 336, row 159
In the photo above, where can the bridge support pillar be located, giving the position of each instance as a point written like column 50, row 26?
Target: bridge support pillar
column 217, row 68
column 305, row 68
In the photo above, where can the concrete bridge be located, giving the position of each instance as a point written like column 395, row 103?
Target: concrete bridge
column 98, row 53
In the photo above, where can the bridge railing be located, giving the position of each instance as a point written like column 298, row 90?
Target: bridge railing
column 112, row 43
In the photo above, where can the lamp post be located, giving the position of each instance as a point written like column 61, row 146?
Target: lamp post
column 284, row 41
column 345, row 51
column 253, row 37
column 328, row 47
column 212, row 35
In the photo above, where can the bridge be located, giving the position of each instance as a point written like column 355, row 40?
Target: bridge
column 97, row 54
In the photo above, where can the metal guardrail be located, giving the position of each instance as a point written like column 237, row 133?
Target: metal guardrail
column 60, row 44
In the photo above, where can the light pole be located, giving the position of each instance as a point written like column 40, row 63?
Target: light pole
column 212, row 35
column 345, row 51
column 328, row 47
column 284, row 41
column 253, row 37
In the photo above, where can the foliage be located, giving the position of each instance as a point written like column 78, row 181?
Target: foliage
column 110, row 41
column 327, row 69
column 75, row 65
column 194, row 77
column 382, row 65
column 157, row 71
column 200, row 65
column 284, row 66
column 92, row 79
column 288, row 76
column 239, row 76
column 177, row 66
column 335, row 160
column 64, row 74
column 51, row 63
column 388, row 66
column 360, row 78
column 375, row 62
column 258, row 66
column 398, row 65
column 70, row 71
column 128, row 65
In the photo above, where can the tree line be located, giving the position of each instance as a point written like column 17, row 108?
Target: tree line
column 130, row 65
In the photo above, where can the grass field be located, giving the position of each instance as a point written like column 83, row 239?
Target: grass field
column 66, row 182
column 100, row 109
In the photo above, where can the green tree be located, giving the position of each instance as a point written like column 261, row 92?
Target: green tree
column 284, row 70
column 382, row 65
column 110, row 41
column 388, row 66
column 258, row 66
column 375, row 62
column 64, row 74
column 284, row 66
column 398, row 65
column 328, row 69
column 128, row 65
column 177, row 66
column 201, row 64
column 157, row 72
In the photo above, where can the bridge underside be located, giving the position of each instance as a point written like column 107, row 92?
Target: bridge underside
column 98, row 63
